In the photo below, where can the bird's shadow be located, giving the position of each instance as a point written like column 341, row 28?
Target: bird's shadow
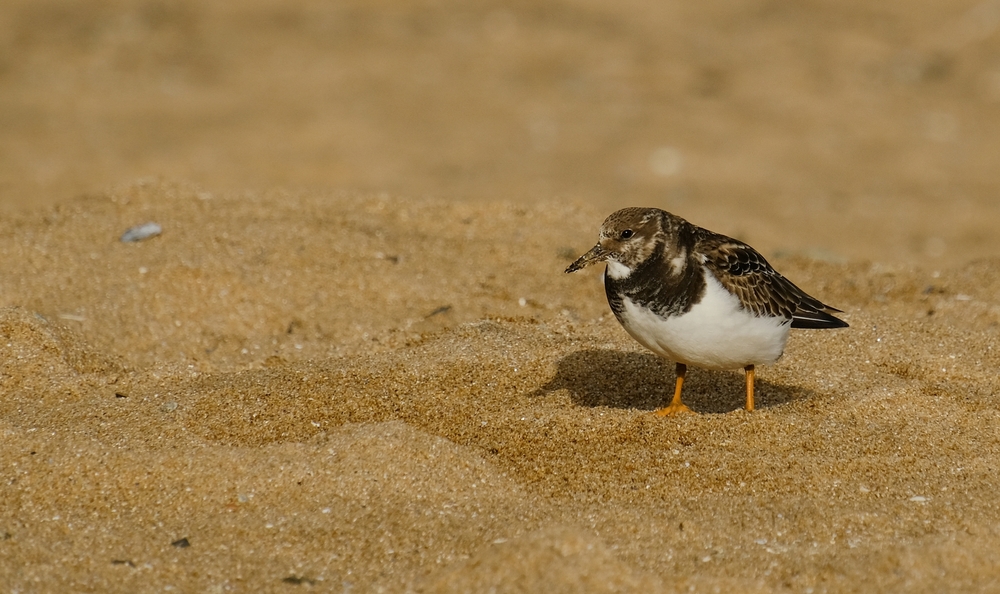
column 622, row 379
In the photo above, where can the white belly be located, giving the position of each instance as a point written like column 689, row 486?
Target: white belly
column 715, row 334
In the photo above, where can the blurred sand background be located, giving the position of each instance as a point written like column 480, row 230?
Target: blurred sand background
column 351, row 361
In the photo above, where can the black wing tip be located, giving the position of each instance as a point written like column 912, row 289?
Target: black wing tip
column 818, row 320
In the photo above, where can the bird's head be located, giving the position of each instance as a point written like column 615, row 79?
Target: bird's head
column 628, row 237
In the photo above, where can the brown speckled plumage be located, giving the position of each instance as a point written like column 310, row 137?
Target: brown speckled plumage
column 660, row 238
column 758, row 286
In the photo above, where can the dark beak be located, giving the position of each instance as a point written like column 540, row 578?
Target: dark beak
column 596, row 254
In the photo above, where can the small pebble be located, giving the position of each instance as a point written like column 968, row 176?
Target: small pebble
column 298, row 581
column 181, row 544
column 140, row 232
column 169, row 407
column 440, row 310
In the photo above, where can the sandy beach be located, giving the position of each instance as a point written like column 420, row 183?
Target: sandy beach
column 351, row 361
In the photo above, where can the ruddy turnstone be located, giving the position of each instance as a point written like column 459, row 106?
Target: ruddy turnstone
column 698, row 298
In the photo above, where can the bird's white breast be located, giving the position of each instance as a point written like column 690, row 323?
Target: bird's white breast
column 617, row 270
column 716, row 333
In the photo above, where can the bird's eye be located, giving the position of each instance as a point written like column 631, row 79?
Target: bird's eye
column 627, row 234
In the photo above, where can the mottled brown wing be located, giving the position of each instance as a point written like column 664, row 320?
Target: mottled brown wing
column 759, row 287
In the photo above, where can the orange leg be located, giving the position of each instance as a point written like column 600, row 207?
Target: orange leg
column 750, row 376
column 676, row 406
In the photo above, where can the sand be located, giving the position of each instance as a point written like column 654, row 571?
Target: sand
column 346, row 391
column 351, row 361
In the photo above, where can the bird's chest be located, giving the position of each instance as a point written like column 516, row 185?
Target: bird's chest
column 655, row 287
column 711, row 330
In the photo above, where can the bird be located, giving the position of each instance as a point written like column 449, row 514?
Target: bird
column 698, row 298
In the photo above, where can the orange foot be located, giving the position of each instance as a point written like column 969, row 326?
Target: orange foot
column 676, row 407
column 673, row 409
